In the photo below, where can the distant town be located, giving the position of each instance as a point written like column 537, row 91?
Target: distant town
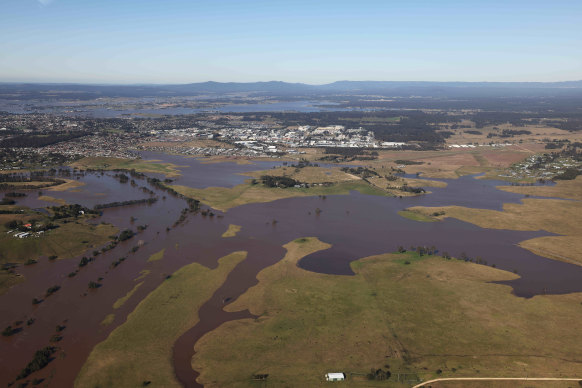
column 45, row 139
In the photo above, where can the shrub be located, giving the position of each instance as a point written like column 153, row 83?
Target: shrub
column 41, row 359
column 52, row 290
column 94, row 285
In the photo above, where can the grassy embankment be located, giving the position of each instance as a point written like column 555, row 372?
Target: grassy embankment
column 121, row 301
column 556, row 216
column 68, row 185
column 428, row 315
column 48, row 198
column 231, row 231
column 140, row 350
column 144, row 166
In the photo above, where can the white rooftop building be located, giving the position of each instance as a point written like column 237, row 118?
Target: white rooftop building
column 335, row 377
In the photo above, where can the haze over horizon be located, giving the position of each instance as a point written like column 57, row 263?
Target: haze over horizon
column 181, row 41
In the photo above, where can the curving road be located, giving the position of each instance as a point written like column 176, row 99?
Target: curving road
column 497, row 378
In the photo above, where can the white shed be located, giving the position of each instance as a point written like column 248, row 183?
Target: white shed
column 335, row 377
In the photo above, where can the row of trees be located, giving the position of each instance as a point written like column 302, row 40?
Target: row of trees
column 148, row 201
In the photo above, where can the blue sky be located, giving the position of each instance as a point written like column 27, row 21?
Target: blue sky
column 317, row 41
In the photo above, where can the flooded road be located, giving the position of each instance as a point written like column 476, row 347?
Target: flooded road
column 355, row 225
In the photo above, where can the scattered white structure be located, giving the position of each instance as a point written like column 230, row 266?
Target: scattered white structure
column 335, row 377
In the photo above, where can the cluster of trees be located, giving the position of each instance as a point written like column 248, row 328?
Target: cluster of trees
column 85, row 260
column 410, row 189
column 35, row 226
column 67, row 211
column 10, row 330
column 420, row 250
column 516, row 119
column 51, row 290
column 509, row 133
column 571, row 124
column 122, row 178
column 14, row 195
column 117, row 262
column 94, row 285
column 302, row 163
column 279, row 181
column 125, row 235
column 556, row 144
column 352, row 153
column 15, row 157
column 569, row 174
column 360, row 171
column 37, row 141
column 41, row 359
column 7, row 201
column 379, row 374
column 408, row 162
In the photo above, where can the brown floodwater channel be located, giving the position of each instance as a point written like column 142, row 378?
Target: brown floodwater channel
column 356, row 226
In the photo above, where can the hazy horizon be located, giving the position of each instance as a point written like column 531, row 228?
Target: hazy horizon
column 183, row 41
column 279, row 81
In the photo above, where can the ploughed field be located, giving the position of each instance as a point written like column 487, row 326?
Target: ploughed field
column 292, row 282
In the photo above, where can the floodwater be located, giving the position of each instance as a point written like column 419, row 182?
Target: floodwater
column 356, row 225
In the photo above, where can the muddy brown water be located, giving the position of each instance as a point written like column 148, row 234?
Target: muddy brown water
column 356, row 225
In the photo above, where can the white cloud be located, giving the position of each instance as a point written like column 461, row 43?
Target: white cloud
column 45, row 2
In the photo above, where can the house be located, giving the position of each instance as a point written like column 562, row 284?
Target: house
column 335, row 377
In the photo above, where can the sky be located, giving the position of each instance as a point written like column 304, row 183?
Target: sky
column 316, row 41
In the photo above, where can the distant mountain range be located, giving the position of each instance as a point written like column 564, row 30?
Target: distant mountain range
column 278, row 88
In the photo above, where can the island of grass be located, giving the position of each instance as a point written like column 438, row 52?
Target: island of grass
column 231, row 231
column 144, row 166
column 140, row 350
column 157, row 256
column 279, row 183
column 401, row 313
column 223, row 198
column 417, row 216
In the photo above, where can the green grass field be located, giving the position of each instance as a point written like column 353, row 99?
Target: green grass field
column 222, row 198
column 141, row 349
column 157, row 256
column 231, row 231
column 68, row 240
column 415, row 314
column 416, row 216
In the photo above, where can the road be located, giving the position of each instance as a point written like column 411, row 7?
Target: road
column 496, row 378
